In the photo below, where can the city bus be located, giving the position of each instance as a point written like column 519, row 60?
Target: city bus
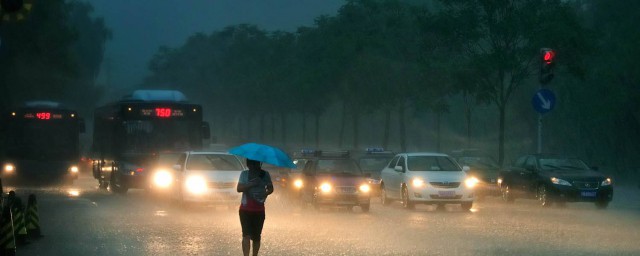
column 130, row 133
column 40, row 143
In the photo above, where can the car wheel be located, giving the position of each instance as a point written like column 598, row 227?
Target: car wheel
column 602, row 204
column 543, row 196
column 365, row 207
column 383, row 197
column 406, row 202
column 507, row 194
column 466, row 206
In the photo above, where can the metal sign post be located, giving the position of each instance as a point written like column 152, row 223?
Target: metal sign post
column 543, row 101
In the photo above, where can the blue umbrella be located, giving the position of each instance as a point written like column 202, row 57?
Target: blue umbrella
column 263, row 153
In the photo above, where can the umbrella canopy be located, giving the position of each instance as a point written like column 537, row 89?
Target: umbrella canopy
column 263, row 153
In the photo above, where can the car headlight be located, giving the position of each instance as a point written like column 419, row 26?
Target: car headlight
column 557, row 181
column 9, row 168
column 499, row 181
column 162, row 178
column 471, row 182
column 417, row 182
column 74, row 169
column 325, row 187
column 196, row 185
column 365, row 188
column 297, row 183
column 606, row 182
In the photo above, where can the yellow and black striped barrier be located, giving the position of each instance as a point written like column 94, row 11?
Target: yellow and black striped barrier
column 32, row 218
column 19, row 227
column 7, row 238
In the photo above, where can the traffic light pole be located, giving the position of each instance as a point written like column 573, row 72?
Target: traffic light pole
column 546, row 75
column 540, row 131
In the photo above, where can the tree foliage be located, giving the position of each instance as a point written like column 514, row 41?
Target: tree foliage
column 54, row 54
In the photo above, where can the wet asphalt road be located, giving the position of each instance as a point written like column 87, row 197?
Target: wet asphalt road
column 83, row 220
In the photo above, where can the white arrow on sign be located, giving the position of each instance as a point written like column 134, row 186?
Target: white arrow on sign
column 546, row 104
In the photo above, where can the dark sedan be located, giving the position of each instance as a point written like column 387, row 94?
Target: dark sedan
column 555, row 179
column 486, row 170
column 335, row 181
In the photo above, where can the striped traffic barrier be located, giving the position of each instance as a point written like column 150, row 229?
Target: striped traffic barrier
column 19, row 227
column 32, row 218
column 7, row 238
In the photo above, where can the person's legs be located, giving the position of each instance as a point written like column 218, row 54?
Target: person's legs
column 256, row 247
column 257, row 224
column 246, row 246
column 245, row 222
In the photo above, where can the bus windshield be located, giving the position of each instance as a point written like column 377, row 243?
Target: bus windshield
column 157, row 135
column 55, row 140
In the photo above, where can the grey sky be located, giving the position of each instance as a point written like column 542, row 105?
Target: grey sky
column 141, row 26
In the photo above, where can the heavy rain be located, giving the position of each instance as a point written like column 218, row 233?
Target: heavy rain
column 319, row 127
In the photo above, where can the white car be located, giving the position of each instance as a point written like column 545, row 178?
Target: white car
column 203, row 177
column 426, row 178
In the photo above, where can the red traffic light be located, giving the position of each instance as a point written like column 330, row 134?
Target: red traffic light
column 548, row 56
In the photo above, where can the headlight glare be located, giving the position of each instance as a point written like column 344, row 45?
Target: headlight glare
column 325, row 187
column 162, row 178
column 298, row 183
column 417, row 182
column 9, row 168
column 196, row 185
column 365, row 188
column 606, row 182
column 74, row 169
column 471, row 182
column 557, row 181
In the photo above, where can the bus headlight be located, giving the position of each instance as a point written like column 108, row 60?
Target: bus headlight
column 298, row 183
column 9, row 168
column 471, row 182
column 325, row 187
column 196, row 185
column 365, row 188
column 74, row 169
column 162, row 178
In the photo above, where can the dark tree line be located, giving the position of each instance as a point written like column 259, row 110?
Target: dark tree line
column 53, row 54
column 405, row 60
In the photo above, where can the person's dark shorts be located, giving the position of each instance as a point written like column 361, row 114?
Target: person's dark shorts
column 252, row 223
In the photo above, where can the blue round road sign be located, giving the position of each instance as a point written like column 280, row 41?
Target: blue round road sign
column 543, row 101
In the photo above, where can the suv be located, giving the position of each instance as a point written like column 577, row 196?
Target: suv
column 334, row 179
column 555, row 179
column 428, row 178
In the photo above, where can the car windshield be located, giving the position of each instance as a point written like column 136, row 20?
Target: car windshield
column 213, row 162
column 479, row 162
column 563, row 164
column 168, row 159
column 373, row 164
column 299, row 165
column 338, row 166
column 432, row 163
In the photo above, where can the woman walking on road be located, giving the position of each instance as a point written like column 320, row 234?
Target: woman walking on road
column 255, row 185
